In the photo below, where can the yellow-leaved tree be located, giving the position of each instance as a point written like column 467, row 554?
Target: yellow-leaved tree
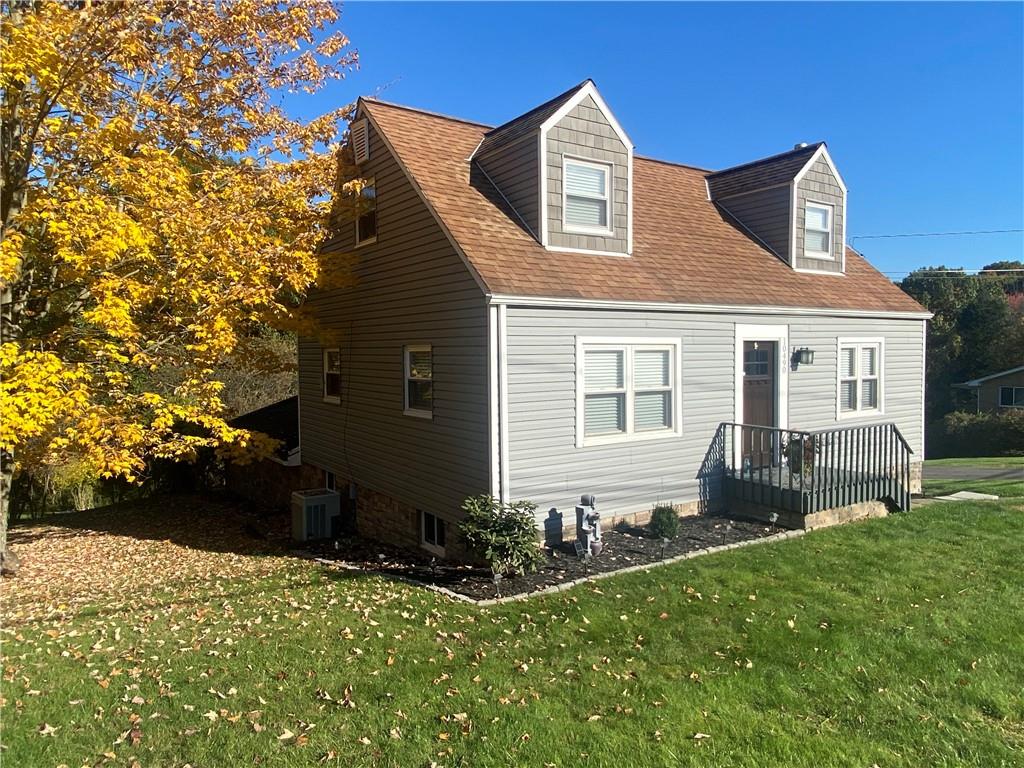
column 156, row 200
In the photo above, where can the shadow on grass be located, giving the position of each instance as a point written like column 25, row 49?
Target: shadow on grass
column 211, row 522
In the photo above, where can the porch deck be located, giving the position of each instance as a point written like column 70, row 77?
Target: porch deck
column 806, row 472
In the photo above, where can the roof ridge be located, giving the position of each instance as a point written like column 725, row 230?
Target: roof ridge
column 431, row 113
column 810, row 147
column 674, row 163
column 539, row 107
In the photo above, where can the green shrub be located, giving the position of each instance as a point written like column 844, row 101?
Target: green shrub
column 664, row 522
column 980, row 434
column 505, row 535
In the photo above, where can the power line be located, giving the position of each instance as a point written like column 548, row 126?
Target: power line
column 958, row 272
column 937, row 234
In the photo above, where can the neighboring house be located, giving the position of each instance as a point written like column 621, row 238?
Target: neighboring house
column 997, row 391
column 538, row 313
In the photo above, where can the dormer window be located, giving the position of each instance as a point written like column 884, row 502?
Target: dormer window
column 587, row 191
column 366, row 213
column 818, row 231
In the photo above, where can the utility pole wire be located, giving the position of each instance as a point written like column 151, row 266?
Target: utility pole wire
column 937, row 234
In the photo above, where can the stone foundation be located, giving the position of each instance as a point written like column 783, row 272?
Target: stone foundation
column 915, row 476
column 823, row 519
column 385, row 519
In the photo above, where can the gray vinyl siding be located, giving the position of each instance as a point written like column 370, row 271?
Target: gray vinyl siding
column 766, row 213
column 410, row 287
column 820, row 185
column 514, row 171
column 547, row 467
column 586, row 133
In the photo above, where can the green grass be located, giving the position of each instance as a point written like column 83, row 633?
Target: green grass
column 894, row 642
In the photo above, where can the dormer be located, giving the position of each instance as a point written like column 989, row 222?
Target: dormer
column 793, row 203
column 566, row 169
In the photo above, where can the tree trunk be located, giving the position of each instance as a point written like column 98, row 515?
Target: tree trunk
column 8, row 560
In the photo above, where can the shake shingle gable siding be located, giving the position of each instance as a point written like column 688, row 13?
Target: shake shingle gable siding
column 586, row 134
column 820, row 185
column 686, row 250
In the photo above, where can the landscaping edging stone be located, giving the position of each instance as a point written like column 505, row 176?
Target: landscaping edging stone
column 563, row 586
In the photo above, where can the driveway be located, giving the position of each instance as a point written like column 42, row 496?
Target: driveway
column 932, row 472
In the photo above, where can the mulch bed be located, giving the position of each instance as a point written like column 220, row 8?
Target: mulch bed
column 623, row 547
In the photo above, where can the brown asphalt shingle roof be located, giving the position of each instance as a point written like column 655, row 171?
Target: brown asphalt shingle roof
column 685, row 249
column 766, row 172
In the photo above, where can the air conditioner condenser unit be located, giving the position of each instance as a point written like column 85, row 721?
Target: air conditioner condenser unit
column 316, row 514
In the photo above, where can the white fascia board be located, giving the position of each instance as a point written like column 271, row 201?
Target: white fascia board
column 661, row 306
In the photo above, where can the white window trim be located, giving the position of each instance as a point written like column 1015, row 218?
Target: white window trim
column 845, row 341
column 609, row 170
column 371, row 181
column 432, row 548
column 419, row 413
column 1013, row 396
column 323, row 376
column 829, row 209
column 628, row 345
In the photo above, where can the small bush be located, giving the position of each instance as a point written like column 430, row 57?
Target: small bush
column 664, row 522
column 505, row 535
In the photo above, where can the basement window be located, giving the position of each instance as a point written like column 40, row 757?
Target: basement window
column 818, row 231
column 432, row 533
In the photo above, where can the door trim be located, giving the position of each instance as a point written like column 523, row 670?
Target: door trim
column 780, row 335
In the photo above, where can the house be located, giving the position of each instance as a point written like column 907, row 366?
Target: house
column 997, row 391
column 539, row 313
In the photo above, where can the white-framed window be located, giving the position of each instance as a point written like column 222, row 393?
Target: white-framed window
column 860, row 377
column 1011, row 397
column 432, row 533
column 330, row 481
column 627, row 389
column 419, row 380
column 366, row 213
column 332, row 375
column 586, row 196
column 818, row 230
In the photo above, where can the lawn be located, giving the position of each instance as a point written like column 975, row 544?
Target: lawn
column 891, row 642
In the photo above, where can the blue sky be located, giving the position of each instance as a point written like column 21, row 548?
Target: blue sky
column 922, row 105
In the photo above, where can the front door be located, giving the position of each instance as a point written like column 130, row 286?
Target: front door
column 759, row 399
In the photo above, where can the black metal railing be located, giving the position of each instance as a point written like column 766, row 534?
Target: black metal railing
column 812, row 470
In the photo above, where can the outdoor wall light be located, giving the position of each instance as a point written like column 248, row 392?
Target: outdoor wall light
column 804, row 356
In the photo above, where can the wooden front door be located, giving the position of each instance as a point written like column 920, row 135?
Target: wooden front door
column 759, row 400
